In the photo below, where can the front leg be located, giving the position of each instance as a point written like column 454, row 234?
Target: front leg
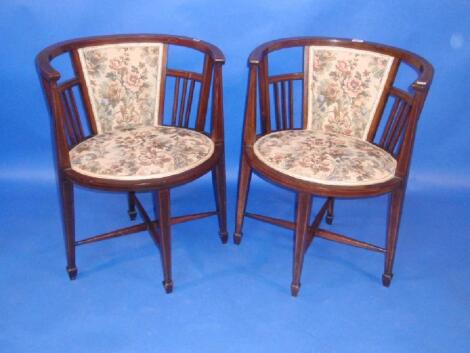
column 162, row 203
column 304, row 206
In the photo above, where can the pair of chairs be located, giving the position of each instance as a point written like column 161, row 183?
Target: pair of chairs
column 128, row 121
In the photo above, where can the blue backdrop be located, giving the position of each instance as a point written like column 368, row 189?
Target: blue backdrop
column 437, row 30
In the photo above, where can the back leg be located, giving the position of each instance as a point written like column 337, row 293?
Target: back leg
column 330, row 211
column 131, row 211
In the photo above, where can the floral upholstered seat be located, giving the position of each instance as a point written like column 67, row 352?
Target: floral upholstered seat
column 137, row 153
column 325, row 158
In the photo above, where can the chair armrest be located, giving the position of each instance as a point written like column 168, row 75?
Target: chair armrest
column 45, row 68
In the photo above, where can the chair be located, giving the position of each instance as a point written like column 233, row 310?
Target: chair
column 111, row 130
column 353, row 139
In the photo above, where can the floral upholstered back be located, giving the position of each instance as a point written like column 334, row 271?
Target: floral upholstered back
column 123, row 82
column 344, row 88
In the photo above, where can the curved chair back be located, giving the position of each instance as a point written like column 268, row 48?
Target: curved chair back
column 125, row 80
column 347, row 86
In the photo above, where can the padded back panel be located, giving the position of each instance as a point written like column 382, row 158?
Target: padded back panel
column 344, row 87
column 124, row 83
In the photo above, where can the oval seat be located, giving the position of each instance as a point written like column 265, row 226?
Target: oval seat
column 138, row 153
column 325, row 158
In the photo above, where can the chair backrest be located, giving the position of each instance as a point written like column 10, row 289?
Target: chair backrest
column 123, row 83
column 125, row 80
column 343, row 88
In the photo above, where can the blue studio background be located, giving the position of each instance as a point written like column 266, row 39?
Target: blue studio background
column 228, row 298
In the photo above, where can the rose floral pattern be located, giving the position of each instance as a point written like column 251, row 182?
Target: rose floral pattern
column 344, row 88
column 141, row 153
column 123, row 82
column 325, row 158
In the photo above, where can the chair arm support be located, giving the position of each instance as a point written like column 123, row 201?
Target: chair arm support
column 217, row 131
column 249, row 130
column 404, row 158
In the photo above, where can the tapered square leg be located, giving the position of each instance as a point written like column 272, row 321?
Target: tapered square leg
column 220, row 194
column 162, row 206
column 303, row 208
column 68, row 218
column 131, row 211
column 393, row 224
column 244, row 179
column 330, row 211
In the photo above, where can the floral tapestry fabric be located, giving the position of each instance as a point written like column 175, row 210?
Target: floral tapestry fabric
column 141, row 153
column 344, row 88
column 123, row 82
column 325, row 158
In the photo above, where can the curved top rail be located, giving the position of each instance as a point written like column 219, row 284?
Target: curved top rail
column 44, row 58
column 421, row 65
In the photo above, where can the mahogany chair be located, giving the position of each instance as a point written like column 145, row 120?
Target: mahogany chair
column 111, row 130
column 353, row 138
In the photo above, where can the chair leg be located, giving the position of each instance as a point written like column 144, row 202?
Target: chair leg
column 330, row 211
column 68, row 217
column 162, row 203
column 304, row 206
column 394, row 214
column 220, row 193
column 131, row 211
column 244, row 179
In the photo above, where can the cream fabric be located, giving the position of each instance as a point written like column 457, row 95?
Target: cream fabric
column 344, row 88
column 123, row 82
column 141, row 153
column 325, row 158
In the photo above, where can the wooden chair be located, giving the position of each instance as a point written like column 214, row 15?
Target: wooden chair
column 353, row 139
column 111, row 130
